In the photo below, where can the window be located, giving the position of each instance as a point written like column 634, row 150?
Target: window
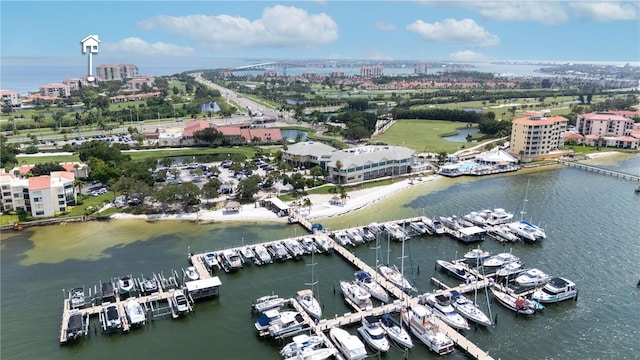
column 62, row 208
column 5, row 187
column 61, row 202
column 37, row 199
column 17, row 195
column 60, row 196
column 40, row 213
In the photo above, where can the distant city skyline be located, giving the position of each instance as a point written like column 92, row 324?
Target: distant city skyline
column 571, row 31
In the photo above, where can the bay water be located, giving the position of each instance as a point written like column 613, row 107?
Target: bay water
column 592, row 224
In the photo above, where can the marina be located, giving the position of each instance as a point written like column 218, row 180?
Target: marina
column 26, row 272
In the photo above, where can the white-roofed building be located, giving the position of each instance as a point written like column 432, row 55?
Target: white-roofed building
column 354, row 164
column 495, row 157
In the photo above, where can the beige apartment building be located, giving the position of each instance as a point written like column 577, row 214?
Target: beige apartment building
column 537, row 137
column 41, row 196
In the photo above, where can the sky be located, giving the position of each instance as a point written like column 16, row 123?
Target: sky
column 377, row 30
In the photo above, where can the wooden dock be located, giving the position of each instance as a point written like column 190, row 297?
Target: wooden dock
column 600, row 170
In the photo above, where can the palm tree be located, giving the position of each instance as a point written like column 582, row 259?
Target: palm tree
column 343, row 195
column 78, row 182
column 307, row 203
column 339, row 167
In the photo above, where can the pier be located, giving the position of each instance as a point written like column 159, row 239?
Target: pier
column 600, row 170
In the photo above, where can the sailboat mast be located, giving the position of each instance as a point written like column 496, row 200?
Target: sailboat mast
column 524, row 202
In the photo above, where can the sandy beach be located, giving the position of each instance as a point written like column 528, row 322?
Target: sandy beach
column 321, row 206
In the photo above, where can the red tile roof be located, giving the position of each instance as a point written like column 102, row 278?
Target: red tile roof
column 266, row 134
column 195, row 125
column 40, row 182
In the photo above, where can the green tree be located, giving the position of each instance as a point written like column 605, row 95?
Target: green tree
column 248, row 187
column 210, row 189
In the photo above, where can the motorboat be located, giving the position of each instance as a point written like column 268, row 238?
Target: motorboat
column 502, row 233
column 442, row 308
column 393, row 275
column 210, row 260
column 499, row 216
column 76, row 298
column 458, row 270
column 309, row 303
column 514, row 303
column 180, row 302
column 135, row 313
column 77, row 325
column 262, row 255
column 125, row 284
column 150, row 284
column 294, row 248
column 277, row 251
column 500, row 260
column 451, row 222
column 367, row 234
column 396, row 232
column 247, row 254
column 395, row 331
column 556, row 290
column 420, row 227
column 191, row 274
column 373, row 334
column 356, row 296
column 532, row 277
column 350, row 346
column 111, row 317
column 355, row 236
column 108, row 291
column 470, row 310
column 510, row 270
column 476, row 256
column 475, row 218
column 376, row 290
column 267, row 302
column 342, row 238
column 528, row 232
column 300, row 343
column 266, row 318
column 418, row 318
column 323, row 244
column 435, row 225
column 308, row 245
column 374, row 227
column 309, row 353
column 231, row 260
column 289, row 323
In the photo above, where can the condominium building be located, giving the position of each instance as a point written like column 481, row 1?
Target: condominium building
column 41, row 196
column 420, row 68
column 604, row 124
column 55, row 90
column 352, row 165
column 109, row 72
column 537, row 137
column 10, row 99
column 371, row 71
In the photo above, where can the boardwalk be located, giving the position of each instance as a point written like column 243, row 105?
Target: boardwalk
column 599, row 170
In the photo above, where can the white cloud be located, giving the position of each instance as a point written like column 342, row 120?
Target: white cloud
column 467, row 55
column 384, row 26
column 134, row 45
column 279, row 26
column 464, row 32
column 607, row 11
column 545, row 12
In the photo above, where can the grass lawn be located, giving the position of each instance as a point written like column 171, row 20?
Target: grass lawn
column 422, row 135
column 95, row 201
column 46, row 159
column 149, row 154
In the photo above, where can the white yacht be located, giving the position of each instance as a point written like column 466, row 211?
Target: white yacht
column 342, row 238
column 323, row 244
column 442, row 308
column 510, row 270
column 110, row 317
column 395, row 331
column 125, row 284
column 355, row 236
column 191, row 274
column 393, row 275
column 356, row 296
column 267, row 302
column 475, row 218
column 76, row 298
column 532, row 277
column 267, row 317
column 500, row 260
column 210, row 260
column 499, row 216
column 231, row 260
column 349, row 345
column 469, row 309
column 528, row 232
column 512, row 302
column 373, row 334
column 300, row 343
column 556, row 290
column 476, row 256
column 502, row 233
column 294, row 248
column 248, row 254
column 262, row 255
column 180, row 302
column 289, row 323
column 135, row 313
column 418, row 318
column 459, row 270
column 309, row 303
column 376, row 290
column 395, row 231
column 308, row 245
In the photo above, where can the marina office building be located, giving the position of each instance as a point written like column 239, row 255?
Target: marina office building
column 352, row 165
column 537, row 137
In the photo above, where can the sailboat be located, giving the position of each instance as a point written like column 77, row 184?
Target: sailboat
column 306, row 297
column 527, row 231
column 395, row 276
column 369, row 283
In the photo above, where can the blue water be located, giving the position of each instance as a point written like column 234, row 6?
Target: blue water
column 461, row 136
column 294, row 134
